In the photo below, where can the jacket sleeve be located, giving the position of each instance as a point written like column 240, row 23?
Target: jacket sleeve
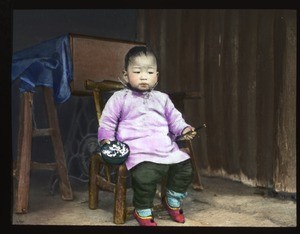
column 175, row 120
column 110, row 118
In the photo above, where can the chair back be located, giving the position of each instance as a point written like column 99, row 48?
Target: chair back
column 101, row 92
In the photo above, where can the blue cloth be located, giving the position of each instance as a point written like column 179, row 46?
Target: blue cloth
column 46, row 64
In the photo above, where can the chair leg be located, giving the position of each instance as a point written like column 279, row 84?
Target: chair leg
column 197, row 185
column 120, row 196
column 93, row 187
column 163, row 187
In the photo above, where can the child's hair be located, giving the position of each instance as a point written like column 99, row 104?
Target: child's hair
column 137, row 51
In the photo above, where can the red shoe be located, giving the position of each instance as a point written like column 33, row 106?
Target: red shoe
column 175, row 213
column 144, row 221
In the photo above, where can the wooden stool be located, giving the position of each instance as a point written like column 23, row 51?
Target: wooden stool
column 24, row 164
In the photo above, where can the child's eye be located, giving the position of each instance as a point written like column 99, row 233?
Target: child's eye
column 150, row 72
column 137, row 72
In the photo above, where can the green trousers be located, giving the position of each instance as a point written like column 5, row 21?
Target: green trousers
column 145, row 177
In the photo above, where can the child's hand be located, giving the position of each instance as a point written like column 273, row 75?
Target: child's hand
column 189, row 133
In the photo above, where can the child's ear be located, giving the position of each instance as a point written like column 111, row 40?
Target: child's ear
column 125, row 76
column 157, row 74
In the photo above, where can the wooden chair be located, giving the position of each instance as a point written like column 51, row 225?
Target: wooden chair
column 118, row 187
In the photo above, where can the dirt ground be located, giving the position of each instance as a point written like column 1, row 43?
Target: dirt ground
column 222, row 203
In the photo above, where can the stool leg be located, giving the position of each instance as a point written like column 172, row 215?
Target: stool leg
column 24, row 153
column 120, row 196
column 64, row 183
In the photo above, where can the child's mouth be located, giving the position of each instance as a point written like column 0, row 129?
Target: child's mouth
column 144, row 85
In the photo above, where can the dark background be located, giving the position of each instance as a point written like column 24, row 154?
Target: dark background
column 34, row 26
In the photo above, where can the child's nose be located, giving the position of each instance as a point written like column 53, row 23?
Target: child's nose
column 144, row 76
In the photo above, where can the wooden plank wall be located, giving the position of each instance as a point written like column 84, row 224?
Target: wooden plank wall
column 243, row 64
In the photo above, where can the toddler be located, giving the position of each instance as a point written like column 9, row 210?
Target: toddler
column 148, row 122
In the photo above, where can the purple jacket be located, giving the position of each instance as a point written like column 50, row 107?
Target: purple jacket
column 148, row 122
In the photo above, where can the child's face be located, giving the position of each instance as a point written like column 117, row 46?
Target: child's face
column 142, row 72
